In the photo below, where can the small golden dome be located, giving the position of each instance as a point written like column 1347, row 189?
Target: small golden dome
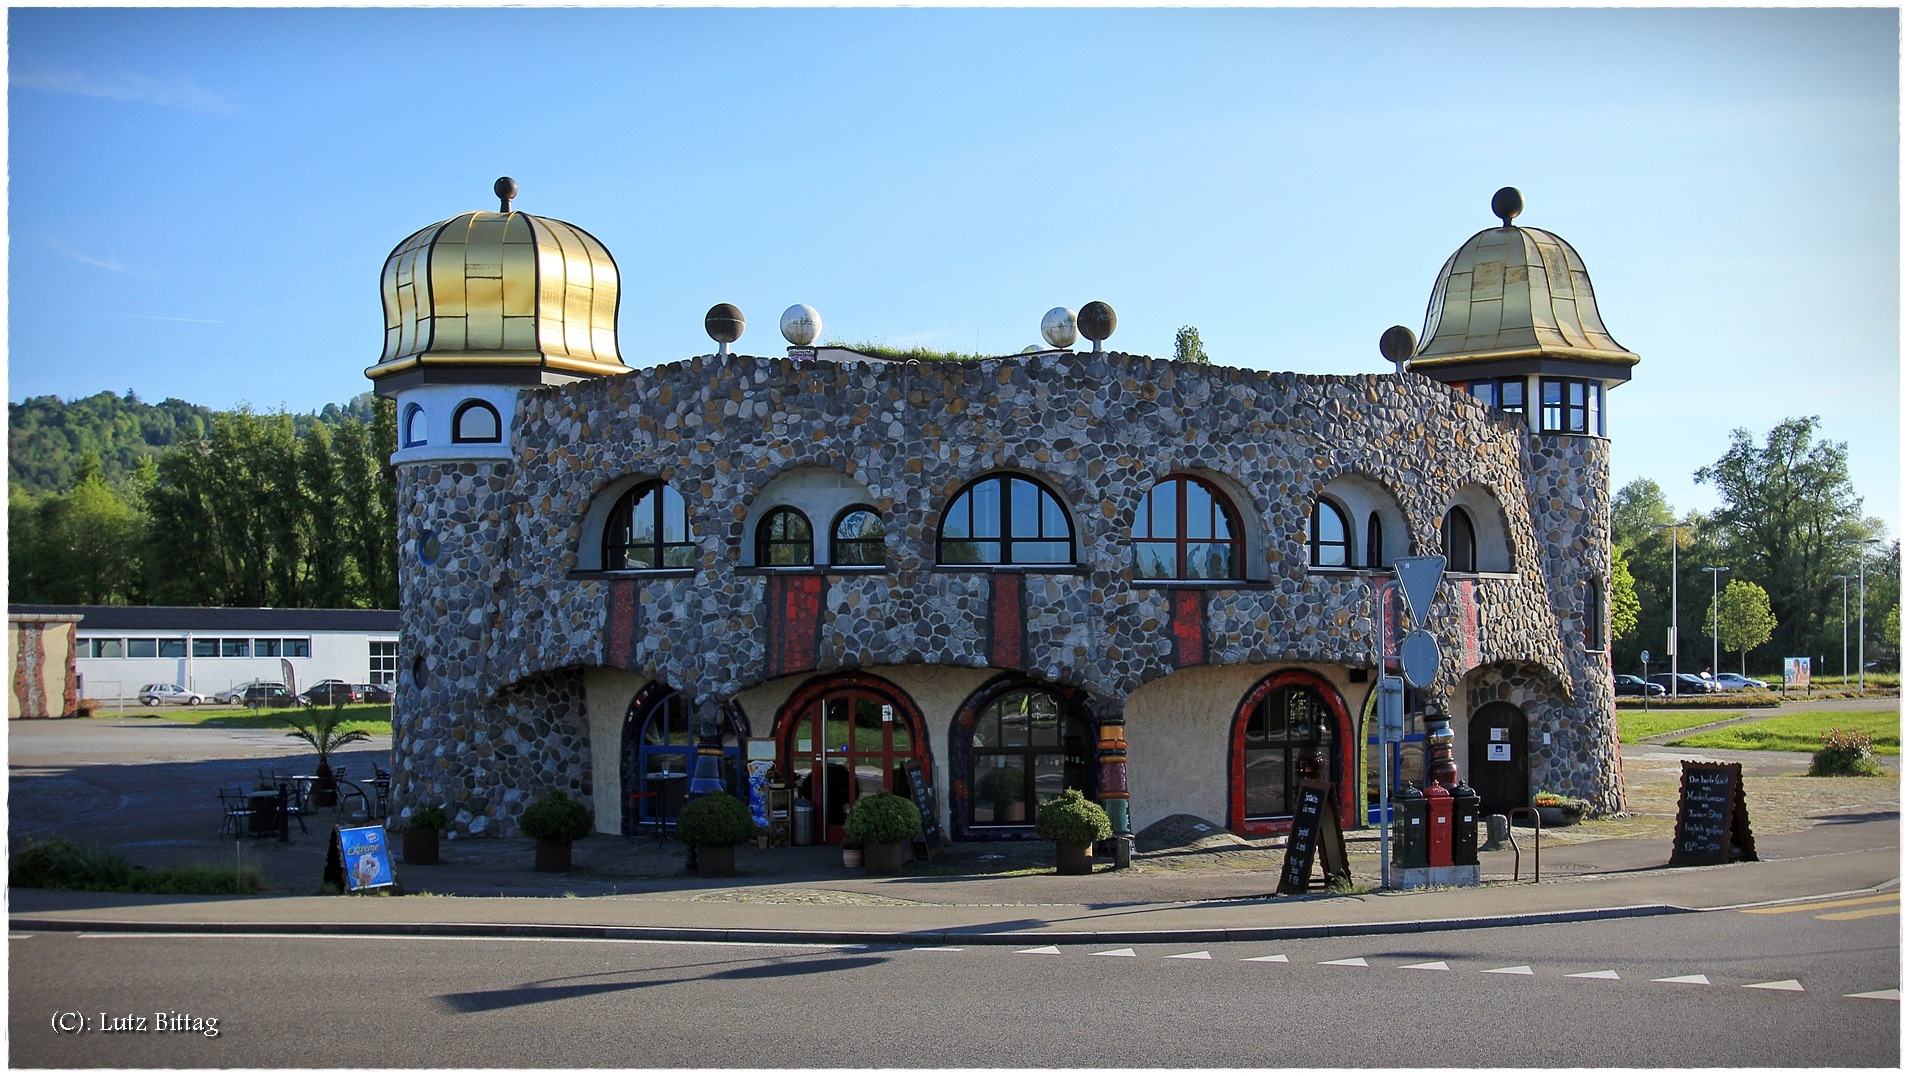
column 1513, row 293
column 530, row 298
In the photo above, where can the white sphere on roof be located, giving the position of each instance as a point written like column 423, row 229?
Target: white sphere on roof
column 1059, row 327
column 801, row 325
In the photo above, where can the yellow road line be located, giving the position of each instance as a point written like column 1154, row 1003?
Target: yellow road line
column 1819, row 905
column 1862, row 914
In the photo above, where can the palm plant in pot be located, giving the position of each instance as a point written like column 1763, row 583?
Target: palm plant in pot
column 320, row 730
column 555, row 822
column 714, row 824
column 1072, row 822
column 885, row 824
column 420, row 834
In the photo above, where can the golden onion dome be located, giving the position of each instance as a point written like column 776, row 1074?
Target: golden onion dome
column 527, row 298
column 1510, row 294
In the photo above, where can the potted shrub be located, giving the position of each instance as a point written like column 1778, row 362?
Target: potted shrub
column 555, row 822
column 714, row 824
column 1072, row 822
column 1558, row 810
column 320, row 730
column 851, row 852
column 885, row 824
column 1004, row 787
column 420, row 834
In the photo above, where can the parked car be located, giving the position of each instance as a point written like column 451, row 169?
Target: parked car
column 330, row 693
column 154, row 694
column 258, row 693
column 1636, row 685
column 373, row 693
column 1734, row 682
column 1689, row 683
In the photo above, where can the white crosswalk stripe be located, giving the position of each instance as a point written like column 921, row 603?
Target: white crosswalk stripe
column 1117, row 952
column 1521, row 969
column 1779, row 984
column 1200, row 955
column 1044, row 950
column 1435, row 965
column 1878, row 995
column 939, row 949
column 1693, row 980
column 1278, row 958
column 1606, row 974
column 1348, row 962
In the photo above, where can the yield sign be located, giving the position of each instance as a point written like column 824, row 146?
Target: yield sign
column 1419, row 577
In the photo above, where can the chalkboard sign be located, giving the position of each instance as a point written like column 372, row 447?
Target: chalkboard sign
column 1315, row 834
column 1712, row 816
column 930, row 838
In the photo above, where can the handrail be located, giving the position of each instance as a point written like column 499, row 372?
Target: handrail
column 1537, row 845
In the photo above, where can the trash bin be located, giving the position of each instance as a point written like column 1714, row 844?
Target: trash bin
column 1464, row 802
column 1408, row 836
column 804, row 822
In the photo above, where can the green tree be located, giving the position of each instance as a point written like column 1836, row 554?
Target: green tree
column 78, row 548
column 1187, row 347
column 1623, row 603
column 1746, row 622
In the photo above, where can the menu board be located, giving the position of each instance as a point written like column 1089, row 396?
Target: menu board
column 1315, row 833
column 1712, row 816
column 923, row 802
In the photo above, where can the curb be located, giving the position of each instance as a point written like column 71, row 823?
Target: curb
column 837, row 937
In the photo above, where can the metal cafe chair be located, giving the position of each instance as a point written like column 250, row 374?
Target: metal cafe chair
column 294, row 803
column 237, row 806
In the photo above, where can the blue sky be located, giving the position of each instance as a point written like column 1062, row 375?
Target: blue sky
column 201, row 200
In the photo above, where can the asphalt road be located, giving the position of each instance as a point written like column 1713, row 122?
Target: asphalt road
column 1584, row 994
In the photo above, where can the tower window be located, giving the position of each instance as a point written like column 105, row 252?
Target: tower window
column 1571, row 405
column 1593, row 614
column 1331, row 536
column 1504, row 394
column 414, row 429
column 1375, row 541
column 476, row 422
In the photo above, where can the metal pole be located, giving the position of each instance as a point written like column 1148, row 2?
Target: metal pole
column 1376, row 595
column 1715, row 619
column 1676, row 629
column 1861, row 621
column 1844, row 580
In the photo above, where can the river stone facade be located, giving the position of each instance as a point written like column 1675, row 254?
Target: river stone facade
column 497, row 629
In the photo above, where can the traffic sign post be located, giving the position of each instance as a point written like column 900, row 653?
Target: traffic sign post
column 1390, row 721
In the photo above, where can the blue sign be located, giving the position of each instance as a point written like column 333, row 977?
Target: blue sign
column 367, row 859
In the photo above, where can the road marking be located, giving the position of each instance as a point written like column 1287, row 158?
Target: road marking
column 1605, row 974
column 1435, row 965
column 1878, row 995
column 938, row 949
column 1521, row 969
column 1348, row 962
column 18, row 937
column 1200, row 955
column 1044, row 950
column 1863, row 913
column 1117, row 952
column 1816, row 906
column 1779, row 984
column 1278, row 959
column 328, row 938
column 1693, row 980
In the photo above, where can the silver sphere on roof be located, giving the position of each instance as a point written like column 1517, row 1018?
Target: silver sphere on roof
column 801, row 325
column 1059, row 327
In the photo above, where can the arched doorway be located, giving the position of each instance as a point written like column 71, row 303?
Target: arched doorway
column 1500, row 757
column 1015, row 744
column 1285, row 722
column 659, row 755
column 846, row 737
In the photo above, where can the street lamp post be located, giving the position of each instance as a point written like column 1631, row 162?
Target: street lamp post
column 1861, row 611
column 1715, row 619
column 1844, row 579
column 1675, row 627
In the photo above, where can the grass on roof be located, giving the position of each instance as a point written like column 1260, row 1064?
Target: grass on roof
column 903, row 354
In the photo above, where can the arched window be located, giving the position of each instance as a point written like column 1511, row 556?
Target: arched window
column 648, row 529
column 1460, row 542
column 1331, row 536
column 784, row 539
column 476, row 422
column 859, row 539
column 1186, row 529
column 414, row 429
column 659, row 755
column 1006, row 519
column 1375, row 541
column 1027, row 748
column 1593, row 614
column 1285, row 734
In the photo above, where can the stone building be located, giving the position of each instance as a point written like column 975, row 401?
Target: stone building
column 976, row 564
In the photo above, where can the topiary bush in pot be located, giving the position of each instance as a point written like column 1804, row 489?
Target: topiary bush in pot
column 1072, row 822
column 555, row 822
column 884, row 823
column 714, row 824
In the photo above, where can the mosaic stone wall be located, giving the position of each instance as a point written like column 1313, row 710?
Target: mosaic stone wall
column 502, row 605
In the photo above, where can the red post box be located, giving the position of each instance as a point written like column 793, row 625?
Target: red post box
column 1438, row 835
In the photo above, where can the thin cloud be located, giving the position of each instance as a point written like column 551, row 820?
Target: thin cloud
column 111, row 263
column 161, row 317
column 175, row 93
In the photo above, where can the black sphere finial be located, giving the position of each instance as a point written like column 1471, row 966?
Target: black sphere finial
column 1507, row 203
column 506, row 189
column 1398, row 344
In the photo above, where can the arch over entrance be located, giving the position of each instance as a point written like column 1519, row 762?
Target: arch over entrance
column 843, row 737
column 659, row 754
column 1014, row 744
column 1287, row 719
column 1500, row 757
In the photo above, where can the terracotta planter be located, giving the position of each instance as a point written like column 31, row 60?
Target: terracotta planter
column 851, row 858
column 420, row 846
column 715, row 860
column 887, row 858
column 553, row 857
column 1073, row 858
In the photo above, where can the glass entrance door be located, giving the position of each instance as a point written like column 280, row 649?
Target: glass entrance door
column 847, row 745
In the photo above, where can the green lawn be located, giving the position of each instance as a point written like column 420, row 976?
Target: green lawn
column 1634, row 725
column 1802, row 732
column 374, row 718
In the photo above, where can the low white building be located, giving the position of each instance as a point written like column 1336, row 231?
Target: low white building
column 121, row 648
